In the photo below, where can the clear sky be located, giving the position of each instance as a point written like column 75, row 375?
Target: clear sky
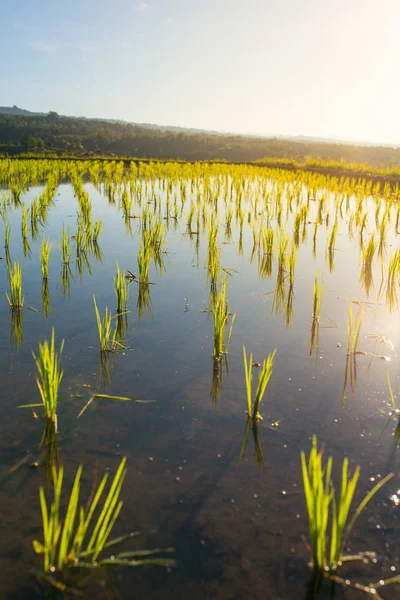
column 314, row 67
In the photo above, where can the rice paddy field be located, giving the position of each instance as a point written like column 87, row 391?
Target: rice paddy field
column 207, row 336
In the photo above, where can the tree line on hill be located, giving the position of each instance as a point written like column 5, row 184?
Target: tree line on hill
column 51, row 133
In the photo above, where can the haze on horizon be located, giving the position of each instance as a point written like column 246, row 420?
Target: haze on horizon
column 270, row 67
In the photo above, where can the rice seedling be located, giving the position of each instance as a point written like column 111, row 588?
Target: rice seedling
column 329, row 516
column 263, row 380
column 221, row 314
column 67, row 544
column 66, row 251
column 97, row 229
column 45, row 257
column 121, row 288
column 368, row 253
column 15, row 298
column 393, row 281
column 107, row 337
column 49, row 377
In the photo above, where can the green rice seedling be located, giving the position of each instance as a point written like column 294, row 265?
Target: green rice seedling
column 107, row 337
column 121, row 288
column 283, row 243
column 329, row 517
column 263, row 380
column 221, row 315
column 97, row 229
column 15, row 298
column 49, row 377
column 68, row 544
column 368, row 254
column 317, row 298
column 45, row 257
column 392, row 281
column 66, row 251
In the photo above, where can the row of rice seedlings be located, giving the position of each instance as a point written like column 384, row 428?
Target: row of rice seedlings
column 69, row 544
column 221, row 314
column 329, row 517
column 263, row 380
column 25, row 230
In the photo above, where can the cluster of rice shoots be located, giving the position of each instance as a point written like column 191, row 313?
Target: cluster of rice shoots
column 15, row 298
column 368, row 253
column 221, row 314
column 49, row 377
column 107, row 337
column 45, row 257
column 263, row 380
column 329, row 518
column 65, row 246
column 121, row 288
column 317, row 298
column 77, row 535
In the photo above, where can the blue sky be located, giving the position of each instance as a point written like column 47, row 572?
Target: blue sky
column 312, row 67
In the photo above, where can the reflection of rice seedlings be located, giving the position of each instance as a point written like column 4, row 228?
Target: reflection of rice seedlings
column 144, row 307
column 45, row 257
column 289, row 306
column 292, row 265
column 49, row 442
column 15, row 299
column 67, row 544
column 121, row 288
column 392, row 281
column 383, row 230
column 317, row 298
column 7, row 235
column 325, row 509
column 368, row 254
column 331, row 247
column 265, row 264
column 263, row 380
column 66, row 251
column 353, row 336
column 258, row 455
column 46, row 305
column 217, row 381
column 65, row 278
column 279, row 304
column 283, row 243
column 17, row 332
column 35, row 218
column 221, row 315
column 314, row 339
column 25, row 230
column 83, row 264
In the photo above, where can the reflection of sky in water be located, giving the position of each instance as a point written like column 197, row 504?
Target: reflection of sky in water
column 239, row 513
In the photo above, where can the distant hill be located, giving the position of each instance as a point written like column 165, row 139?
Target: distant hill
column 22, row 130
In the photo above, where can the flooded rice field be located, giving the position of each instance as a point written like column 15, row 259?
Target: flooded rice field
column 189, row 269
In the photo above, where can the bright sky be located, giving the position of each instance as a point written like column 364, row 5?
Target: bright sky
column 314, row 67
